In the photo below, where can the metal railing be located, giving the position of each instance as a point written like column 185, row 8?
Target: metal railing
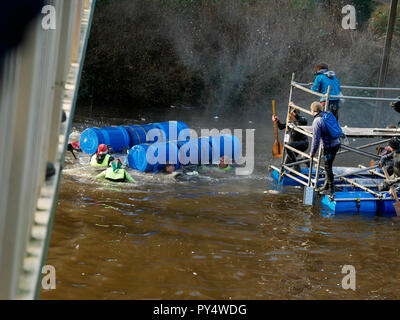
column 39, row 81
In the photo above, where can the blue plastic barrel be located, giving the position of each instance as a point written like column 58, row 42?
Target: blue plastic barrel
column 286, row 181
column 137, row 154
column 138, row 133
column 197, row 151
column 172, row 130
column 225, row 145
column 385, row 206
column 116, row 138
column 90, row 139
column 351, row 206
column 119, row 138
column 153, row 157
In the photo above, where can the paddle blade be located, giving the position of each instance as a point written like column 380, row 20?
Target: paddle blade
column 371, row 163
column 277, row 150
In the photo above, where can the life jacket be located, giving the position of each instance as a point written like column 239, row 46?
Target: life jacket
column 95, row 163
column 116, row 176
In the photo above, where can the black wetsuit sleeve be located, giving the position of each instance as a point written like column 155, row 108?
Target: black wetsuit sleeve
column 281, row 126
column 302, row 121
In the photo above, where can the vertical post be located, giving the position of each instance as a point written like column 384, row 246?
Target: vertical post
column 286, row 129
column 386, row 56
column 76, row 41
column 320, row 146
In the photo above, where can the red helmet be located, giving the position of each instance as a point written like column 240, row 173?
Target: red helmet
column 102, row 149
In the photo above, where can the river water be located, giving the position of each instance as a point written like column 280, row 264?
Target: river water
column 220, row 236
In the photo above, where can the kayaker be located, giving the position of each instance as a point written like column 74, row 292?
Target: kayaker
column 101, row 158
column 297, row 140
column 331, row 146
column 116, row 173
column 325, row 78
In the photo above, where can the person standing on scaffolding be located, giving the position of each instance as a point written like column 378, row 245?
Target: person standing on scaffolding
column 297, row 140
column 388, row 153
column 325, row 78
column 331, row 146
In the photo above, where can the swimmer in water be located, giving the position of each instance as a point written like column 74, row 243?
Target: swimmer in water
column 224, row 163
column 116, row 173
column 74, row 146
column 101, row 158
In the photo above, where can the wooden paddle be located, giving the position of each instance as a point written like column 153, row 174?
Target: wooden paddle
column 378, row 150
column 393, row 192
column 277, row 149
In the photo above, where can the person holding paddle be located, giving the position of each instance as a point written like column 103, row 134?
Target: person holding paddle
column 388, row 153
column 297, row 140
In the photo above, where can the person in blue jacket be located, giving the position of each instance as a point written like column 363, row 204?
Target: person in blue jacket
column 325, row 78
column 331, row 146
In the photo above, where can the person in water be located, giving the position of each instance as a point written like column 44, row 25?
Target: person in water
column 101, row 158
column 74, row 146
column 224, row 164
column 297, row 140
column 325, row 78
column 169, row 168
column 116, row 173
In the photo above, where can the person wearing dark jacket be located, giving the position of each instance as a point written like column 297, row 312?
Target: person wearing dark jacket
column 325, row 78
column 387, row 156
column 391, row 161
column 331, row 146
column 297, row 140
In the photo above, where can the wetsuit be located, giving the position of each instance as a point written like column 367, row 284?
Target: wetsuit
column 101, row 160
column 119, row 175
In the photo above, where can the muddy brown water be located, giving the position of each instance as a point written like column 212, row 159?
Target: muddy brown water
column 220, row 236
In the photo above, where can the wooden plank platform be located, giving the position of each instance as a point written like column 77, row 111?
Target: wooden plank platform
column 363, row 132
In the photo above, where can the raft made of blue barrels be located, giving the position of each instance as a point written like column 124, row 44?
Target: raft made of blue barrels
column 204, row 150
column 359, row 202
column 120, row 138
column 287, row 181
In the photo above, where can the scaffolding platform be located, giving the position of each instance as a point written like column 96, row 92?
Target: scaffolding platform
column 357, row 188
column 351, row 132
